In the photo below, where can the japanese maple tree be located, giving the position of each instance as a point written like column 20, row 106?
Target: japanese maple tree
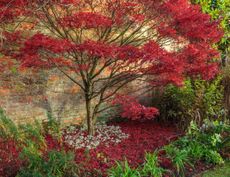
column 102, row 45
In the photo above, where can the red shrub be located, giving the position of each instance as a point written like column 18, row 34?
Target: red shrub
column 9, row 158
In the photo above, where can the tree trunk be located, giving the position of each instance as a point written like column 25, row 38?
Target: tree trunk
column 89, row 117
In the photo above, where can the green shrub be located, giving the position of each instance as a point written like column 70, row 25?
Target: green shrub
column 197, row 100
column 199, row 144
column 179, row 158
column 203, row 143
column 176, row 103
column 213, row 137
column 23, row 134
column 195, row 150
column 123, row 170
column 151, row 166
column 57, row 164
column 212, row 134
column 214, row 157
column 32, row 133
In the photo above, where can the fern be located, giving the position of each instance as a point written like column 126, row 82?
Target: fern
column 8, row 129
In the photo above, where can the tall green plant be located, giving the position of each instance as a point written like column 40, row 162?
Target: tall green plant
column 204, row 143
column 197, row 100
column 150, row 167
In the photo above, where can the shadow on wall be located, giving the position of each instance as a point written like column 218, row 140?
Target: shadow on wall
column 29, row 96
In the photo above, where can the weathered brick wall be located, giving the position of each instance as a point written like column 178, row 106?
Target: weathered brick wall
column 29, row 96
column 26, row 96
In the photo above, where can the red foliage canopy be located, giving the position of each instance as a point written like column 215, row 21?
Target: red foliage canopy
column 126, row 40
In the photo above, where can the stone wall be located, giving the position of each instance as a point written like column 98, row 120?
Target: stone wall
column 26, row 96
column 29, row 96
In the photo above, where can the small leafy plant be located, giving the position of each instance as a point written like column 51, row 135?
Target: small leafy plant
column 123, row 170
column 199, row 144
column 179, row 158
column 8, row 129
column 52, row 127
column 56, row 164
column 151, row 166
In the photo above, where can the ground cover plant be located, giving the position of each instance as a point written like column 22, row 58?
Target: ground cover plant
column 103, row 45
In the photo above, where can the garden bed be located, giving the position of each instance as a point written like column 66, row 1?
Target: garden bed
column 141, row 137
column 127, row 141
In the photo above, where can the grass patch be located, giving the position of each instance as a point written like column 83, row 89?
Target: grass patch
column 222, row 171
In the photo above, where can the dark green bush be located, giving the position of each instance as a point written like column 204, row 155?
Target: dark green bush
column 197, row 100
column 8, row 129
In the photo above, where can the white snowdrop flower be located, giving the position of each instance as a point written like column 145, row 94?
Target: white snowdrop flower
column 104, row 134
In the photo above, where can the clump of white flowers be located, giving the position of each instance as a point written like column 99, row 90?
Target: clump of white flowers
column 104, row 134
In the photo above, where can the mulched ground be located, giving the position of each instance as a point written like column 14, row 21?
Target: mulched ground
column 143, row 137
